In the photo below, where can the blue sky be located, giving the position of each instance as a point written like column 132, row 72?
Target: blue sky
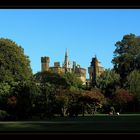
column 84, row 32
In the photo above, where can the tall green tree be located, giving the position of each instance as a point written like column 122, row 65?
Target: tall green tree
column 14, row 64
column 108, row 82
column 127, row 55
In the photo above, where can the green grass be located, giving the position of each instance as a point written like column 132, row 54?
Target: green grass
column 98, row 123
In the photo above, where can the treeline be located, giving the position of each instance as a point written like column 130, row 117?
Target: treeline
column 121, row 85
column 46, row 94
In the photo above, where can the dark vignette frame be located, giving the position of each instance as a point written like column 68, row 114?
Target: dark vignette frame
column 59, row 4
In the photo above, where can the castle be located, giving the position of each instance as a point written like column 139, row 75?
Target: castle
column 76, row 69
column 94, row 70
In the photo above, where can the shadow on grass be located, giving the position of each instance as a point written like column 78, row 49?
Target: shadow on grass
column 96, row 124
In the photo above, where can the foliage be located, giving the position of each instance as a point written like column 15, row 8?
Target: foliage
column 14, row 65
column 108, row 81
column 73, row 106
column 122, row 98
column 72, row 80
column 127, row 55
column 133, row 82
column 62, row 101
column 50, row 77
column 95, row 95
column 65, row 80
column 58, row 93
column 5, row 88
column 45, row 102
column 25, row 93
column 92, row 101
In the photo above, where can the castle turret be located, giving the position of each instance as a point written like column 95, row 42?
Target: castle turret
column 94, row 70
column 66, row 64
column 45, row 63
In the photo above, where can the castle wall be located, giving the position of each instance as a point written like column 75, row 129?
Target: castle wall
column 81, row 73
column 57, row 69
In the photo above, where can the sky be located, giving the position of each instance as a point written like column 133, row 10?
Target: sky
column 83, row 32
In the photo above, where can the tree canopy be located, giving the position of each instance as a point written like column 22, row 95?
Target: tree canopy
column 14, row 64
column 121, row 98
column 108, row 81
column 127, row 55
column 65, row 80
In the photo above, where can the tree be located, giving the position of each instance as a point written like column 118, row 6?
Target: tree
column 65, row 80
column 127, row 56
column 48, row 102
column 51, row 78
column 122, row 98
column 108, row 81
column 7, row 99
column 91, row 101
column 73, row 106
column 25, row 94
column 72, row 80
column 5, row 90
column 61, row 101
column 58, row 93
column 133, row 82
column 14, row 65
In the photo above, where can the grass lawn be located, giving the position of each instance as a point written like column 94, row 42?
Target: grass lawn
column 124, row 123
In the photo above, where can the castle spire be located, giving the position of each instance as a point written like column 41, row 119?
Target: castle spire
column 66, row 64
column 95, row 56
column 66, row 53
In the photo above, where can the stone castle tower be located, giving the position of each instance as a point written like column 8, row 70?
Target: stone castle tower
column 45, row 63
column 94, row 70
